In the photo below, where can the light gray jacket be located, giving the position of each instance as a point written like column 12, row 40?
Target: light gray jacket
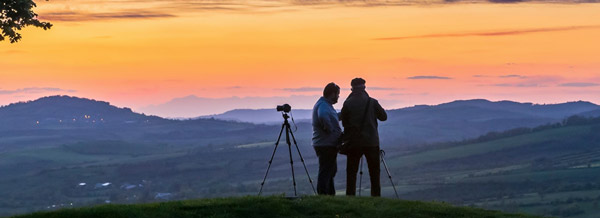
column 326, row 124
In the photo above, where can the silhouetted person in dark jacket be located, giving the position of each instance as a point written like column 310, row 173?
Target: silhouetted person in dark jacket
column 368, row 141
column 326, row 137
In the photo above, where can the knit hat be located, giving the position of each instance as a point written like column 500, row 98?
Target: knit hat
column 358, row 82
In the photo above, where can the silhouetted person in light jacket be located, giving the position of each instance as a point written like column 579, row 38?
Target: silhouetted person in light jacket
column 326, row 137
column 368, row 141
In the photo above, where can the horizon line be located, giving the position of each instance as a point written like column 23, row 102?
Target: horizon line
column 136, row 110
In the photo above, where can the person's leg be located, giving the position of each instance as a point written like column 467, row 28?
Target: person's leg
column 372, row 156
column 327, row 169
column 322, row 177
column 331, row 188
column 331, row 169
column 351, row 170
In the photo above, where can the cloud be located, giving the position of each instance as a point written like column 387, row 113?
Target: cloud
column 304, row 89
column 480, row 76
column 578, row 84
column 320, row 89
column 520, row 85
column 374, row 3
column 513, row 76
column 428, row 77
column 79, row 11
column 81, row 16
column 33, row 90
column 506, row 1
column 195, row 5
column 407, row 94
column 376, row 88
column 359, row 3
column 528, row 81
column 151, row 9
column 492, row 33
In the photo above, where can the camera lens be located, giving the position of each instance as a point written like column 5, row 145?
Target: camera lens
column 285, row 108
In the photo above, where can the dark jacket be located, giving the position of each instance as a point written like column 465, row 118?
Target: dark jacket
column 352, row 115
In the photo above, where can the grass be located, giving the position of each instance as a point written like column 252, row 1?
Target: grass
column 486, row 147
column 235, row 172
column 535, row 198
column 576, row 174
column 313, row 206
column 256, row 145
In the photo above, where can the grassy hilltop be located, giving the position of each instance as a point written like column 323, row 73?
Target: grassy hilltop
column 313, row 206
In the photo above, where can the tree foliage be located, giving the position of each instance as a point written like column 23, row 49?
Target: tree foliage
column 15, row 15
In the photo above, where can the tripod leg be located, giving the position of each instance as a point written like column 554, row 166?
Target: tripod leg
column 302, row 160
column 388, row 172
column 360, row 180
column 287, row 138
column 271, row 160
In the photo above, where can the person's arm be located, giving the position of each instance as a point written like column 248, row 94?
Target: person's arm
column 344, row 116
column 324, row 119
column 380, row 112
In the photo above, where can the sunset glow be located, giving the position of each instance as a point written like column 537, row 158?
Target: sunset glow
column 140, row 53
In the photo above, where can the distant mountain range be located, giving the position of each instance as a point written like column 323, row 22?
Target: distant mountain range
column 65, row 119
column 456, row 120
column 505, row 109
column 194, row 106
column 465, row 119
column 261, row 116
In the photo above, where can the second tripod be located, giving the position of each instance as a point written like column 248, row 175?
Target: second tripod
column 288, row 132
column 382, row 155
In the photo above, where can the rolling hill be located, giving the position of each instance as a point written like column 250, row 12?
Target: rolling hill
column 452, row 121
column 545, row 170
column 65, row 119
column 59, row 120
column 550, row 170
column 281, row 207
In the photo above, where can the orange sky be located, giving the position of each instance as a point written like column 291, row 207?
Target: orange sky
column 139, row 53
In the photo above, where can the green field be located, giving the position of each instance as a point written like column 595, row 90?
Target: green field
column 487, row 147
column 249, row 207
column 549, row 172
column 552, row 172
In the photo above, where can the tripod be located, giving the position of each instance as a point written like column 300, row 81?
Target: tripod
column 288, row 132
column 382, row 154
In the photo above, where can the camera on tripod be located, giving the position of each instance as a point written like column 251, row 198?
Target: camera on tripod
column 286, row 108
column 289, row 138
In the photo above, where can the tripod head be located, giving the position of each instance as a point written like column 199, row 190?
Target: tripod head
column 285, row 115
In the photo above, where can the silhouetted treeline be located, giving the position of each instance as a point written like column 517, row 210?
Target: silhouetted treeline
column 579, row 120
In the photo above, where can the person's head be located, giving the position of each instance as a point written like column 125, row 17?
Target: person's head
column 358, row 84
column 332, row 92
